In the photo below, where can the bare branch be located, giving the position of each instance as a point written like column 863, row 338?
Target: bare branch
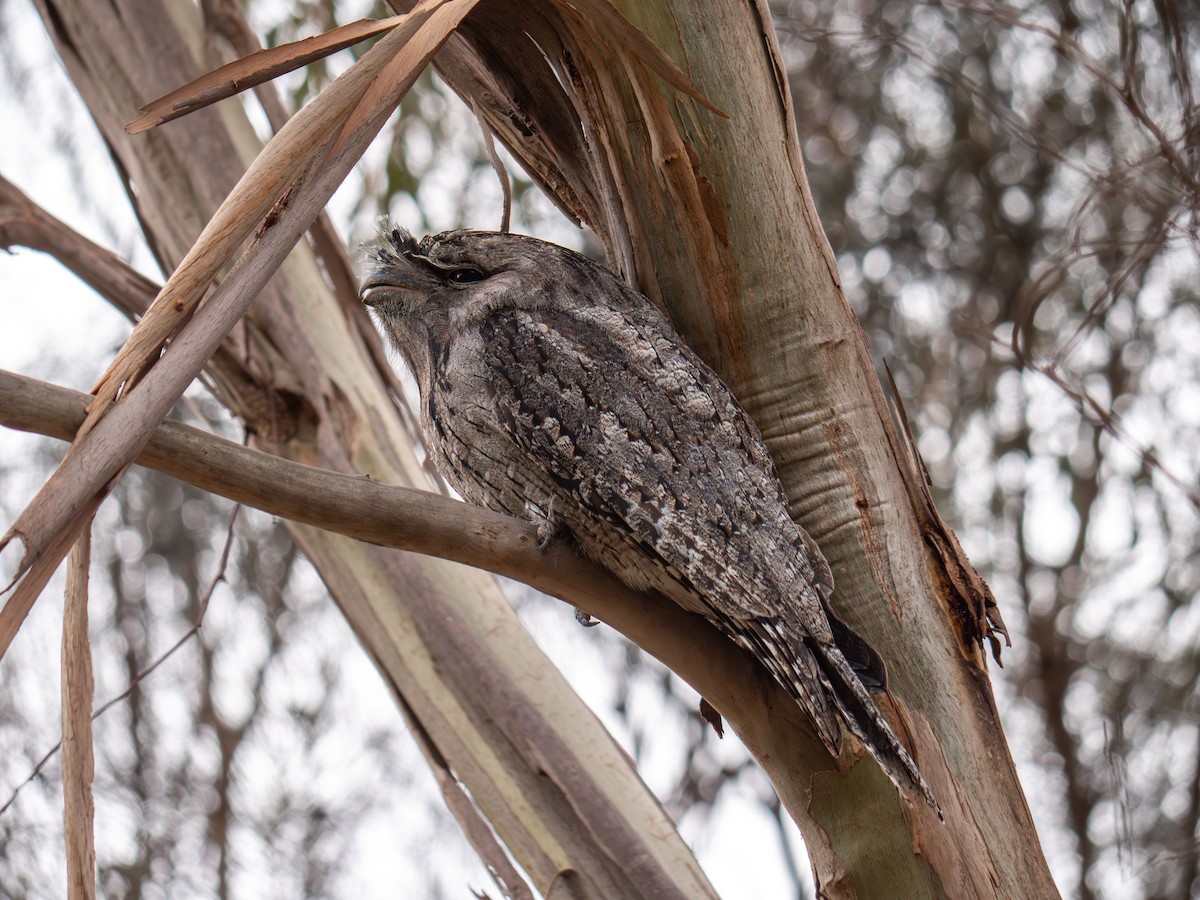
column 428, row 523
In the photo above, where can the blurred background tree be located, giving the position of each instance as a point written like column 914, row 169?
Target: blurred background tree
column 1012, row 195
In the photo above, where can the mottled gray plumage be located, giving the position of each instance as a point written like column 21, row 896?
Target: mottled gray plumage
column 552, row 391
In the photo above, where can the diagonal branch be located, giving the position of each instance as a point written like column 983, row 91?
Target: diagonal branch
column 409, row 519
column 731, row 680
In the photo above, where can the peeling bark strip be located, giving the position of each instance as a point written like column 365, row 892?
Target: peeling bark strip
column 968, row 598
column 255, row 69
column 78, row 759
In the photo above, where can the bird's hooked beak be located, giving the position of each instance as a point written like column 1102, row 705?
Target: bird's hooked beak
column 388, row 281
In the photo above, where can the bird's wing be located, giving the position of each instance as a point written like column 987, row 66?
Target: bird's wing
column 656, row 463
column 652, row 452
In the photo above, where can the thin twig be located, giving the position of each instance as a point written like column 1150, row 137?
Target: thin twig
column 1105, row 417
column 489, row 144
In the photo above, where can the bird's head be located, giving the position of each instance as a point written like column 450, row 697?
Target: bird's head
column 426, row 292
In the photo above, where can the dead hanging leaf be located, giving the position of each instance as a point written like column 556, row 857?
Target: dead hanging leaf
column 253, row 70
column 709, row 714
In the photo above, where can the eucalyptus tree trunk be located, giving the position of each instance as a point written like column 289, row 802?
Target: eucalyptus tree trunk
column 712, row 217
column 708, row 211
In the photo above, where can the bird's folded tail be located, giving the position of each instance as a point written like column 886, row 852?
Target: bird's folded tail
column 864, row 719
column 794, row 666
column 831, row 692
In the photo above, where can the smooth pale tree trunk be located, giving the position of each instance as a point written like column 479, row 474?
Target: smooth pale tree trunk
column 711, row 216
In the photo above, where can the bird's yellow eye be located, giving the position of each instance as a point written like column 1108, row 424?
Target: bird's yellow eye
column 466, row 275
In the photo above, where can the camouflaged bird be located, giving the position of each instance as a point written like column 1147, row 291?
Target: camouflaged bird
column 552, row 391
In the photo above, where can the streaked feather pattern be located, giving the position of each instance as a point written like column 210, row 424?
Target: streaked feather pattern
column 549, row 387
